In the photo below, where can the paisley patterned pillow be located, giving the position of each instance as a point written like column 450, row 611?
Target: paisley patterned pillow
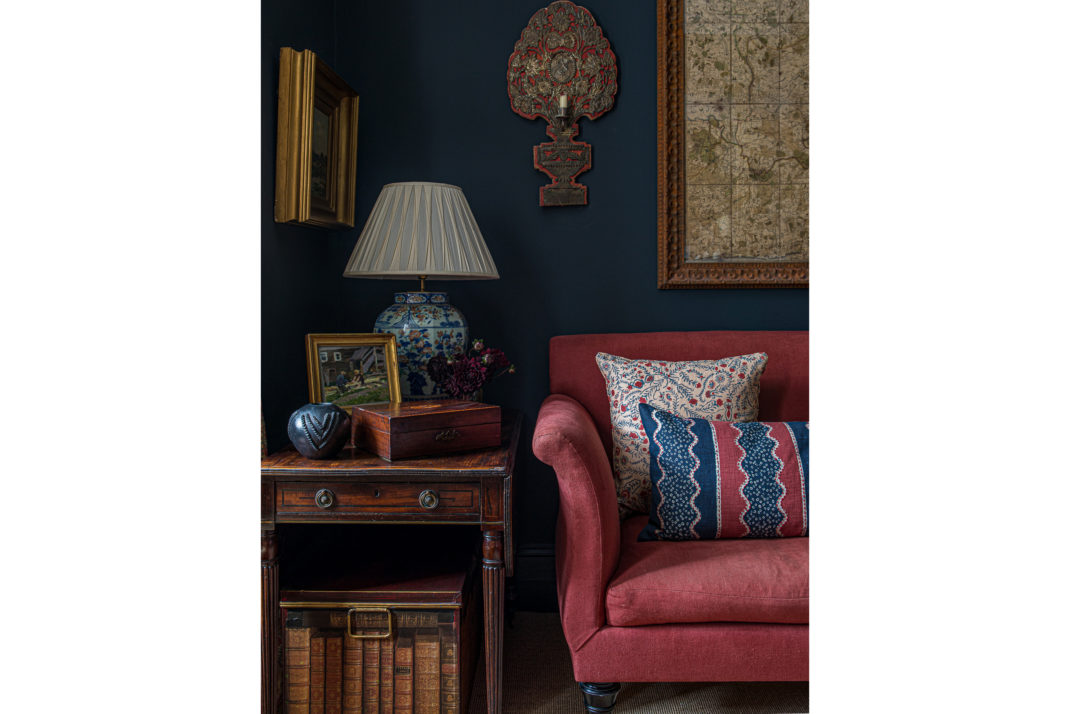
column 715, row 479
column 717, row 389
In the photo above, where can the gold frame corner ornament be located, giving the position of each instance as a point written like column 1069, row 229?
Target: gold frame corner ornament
column 305, row 83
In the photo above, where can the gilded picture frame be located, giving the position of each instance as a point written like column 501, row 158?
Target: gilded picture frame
column 733, row 109
column 352, row 369
column 316, row 150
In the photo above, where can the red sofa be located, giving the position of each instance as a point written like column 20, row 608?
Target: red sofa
column 717, row 610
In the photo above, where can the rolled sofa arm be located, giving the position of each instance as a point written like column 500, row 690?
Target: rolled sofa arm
column 588, row 528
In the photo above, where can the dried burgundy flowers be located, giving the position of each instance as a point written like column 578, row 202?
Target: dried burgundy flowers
column 461, row 375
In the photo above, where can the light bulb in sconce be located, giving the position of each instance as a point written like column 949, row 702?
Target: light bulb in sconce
column 562, row 109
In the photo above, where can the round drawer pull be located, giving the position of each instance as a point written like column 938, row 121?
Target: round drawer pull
column 324, row 498
column 429, row 499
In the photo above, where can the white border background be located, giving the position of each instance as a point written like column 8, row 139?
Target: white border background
column 938, row 195
column 131, row 205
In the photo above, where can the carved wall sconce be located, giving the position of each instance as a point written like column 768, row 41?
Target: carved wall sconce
column 561, row 69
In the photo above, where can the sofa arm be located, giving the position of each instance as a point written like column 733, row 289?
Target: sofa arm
column 588, row 528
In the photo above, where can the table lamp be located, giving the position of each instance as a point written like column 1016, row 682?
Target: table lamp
column 421, row 230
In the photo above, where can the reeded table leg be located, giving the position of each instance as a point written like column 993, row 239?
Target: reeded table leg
column 493, row 601
column 269, row 617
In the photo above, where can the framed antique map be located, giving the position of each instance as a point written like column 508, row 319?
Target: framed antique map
column 733, row 143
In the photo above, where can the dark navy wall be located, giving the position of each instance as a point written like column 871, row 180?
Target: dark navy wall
column 297, row 290
column 433, row 107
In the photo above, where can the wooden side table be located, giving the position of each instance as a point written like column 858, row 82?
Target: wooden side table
column 359, row 487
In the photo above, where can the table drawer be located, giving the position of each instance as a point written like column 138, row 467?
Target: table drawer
column 311, row 498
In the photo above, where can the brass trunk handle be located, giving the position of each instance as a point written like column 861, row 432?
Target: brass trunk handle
column 369, row 636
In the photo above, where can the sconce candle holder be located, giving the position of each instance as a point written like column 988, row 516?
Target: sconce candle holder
column 562, row 68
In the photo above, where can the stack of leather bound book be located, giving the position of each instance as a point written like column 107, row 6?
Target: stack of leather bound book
column 393, row 644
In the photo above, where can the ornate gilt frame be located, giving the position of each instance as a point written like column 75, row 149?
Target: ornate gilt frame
column 674, row 270
column 313, row 342
column 306, row 83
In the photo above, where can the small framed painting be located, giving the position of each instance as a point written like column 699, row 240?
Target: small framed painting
column 347, row 370
column 316, row 156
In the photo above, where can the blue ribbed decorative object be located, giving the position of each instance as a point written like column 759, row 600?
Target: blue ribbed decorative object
column 318, row 431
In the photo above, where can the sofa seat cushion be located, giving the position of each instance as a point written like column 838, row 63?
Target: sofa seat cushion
column 746, row 580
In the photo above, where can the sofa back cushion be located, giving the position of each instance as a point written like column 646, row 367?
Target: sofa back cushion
column 785, row 384
column 723, row 389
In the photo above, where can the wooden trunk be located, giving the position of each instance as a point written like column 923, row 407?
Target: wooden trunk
column 410, row 645
column 426, row 428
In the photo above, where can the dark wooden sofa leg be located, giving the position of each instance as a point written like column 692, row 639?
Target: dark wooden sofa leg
column 599, row 698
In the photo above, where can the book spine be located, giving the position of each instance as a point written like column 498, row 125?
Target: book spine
column 296, row 672
column 352, row 675
column 426, row 675
column 450, row 666
column 386, row 676
column 333, row 675
column 403, row 620
column 371, row 676
column 410, row 620
column 316, row 675
column 403, row 676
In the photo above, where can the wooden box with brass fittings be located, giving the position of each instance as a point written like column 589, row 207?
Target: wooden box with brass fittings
column 425, row 428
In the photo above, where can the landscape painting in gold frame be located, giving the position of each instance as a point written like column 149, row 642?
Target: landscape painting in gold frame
column 316, row 150
column 351, row 369
column 733, row 144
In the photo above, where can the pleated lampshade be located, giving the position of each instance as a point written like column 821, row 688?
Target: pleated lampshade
column 421, row 229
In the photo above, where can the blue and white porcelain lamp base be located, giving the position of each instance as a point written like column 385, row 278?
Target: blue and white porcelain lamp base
column 420, row 229
column 425, row 325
